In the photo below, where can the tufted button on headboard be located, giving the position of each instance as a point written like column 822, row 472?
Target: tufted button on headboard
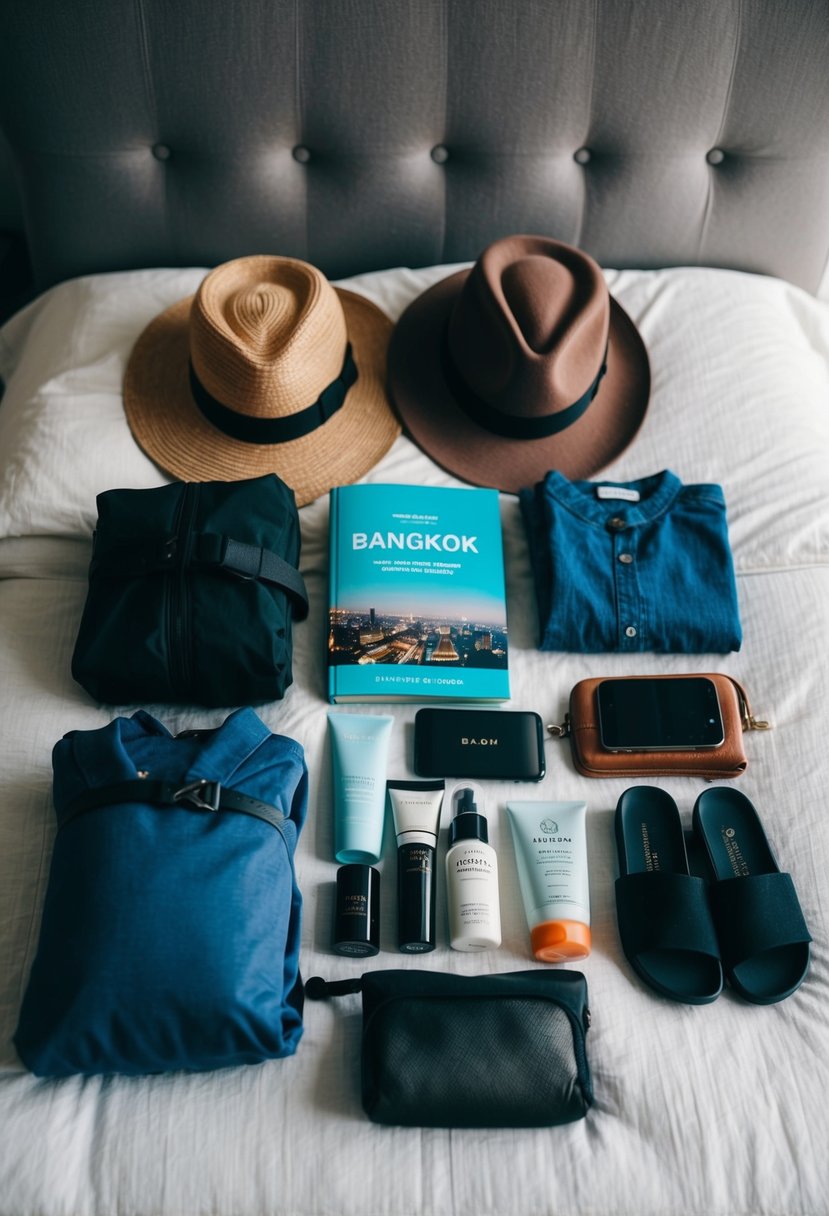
column 362, row 134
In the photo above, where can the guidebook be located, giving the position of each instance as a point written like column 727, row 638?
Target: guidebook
column 417, row 605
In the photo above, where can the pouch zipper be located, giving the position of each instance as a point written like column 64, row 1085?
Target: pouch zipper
column 747, row 718
column 179, row 632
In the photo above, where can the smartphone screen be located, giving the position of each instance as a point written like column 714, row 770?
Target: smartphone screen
column 669, row 714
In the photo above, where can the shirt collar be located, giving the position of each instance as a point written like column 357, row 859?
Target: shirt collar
column 657, row 495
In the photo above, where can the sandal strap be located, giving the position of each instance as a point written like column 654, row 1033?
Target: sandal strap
column 755, row 913
column 665, row 911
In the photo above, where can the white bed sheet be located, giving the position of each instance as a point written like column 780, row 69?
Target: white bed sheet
column 719, row 1110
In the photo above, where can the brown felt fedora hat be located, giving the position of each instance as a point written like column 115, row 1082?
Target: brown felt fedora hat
column 266, row 369
column 520, row 365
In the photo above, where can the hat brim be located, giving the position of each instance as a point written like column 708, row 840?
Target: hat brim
column 438, row 424
column 169, row 426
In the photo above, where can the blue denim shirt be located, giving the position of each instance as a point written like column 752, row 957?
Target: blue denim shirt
column 632, row 566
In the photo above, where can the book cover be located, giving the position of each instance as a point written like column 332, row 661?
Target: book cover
column 417, row 604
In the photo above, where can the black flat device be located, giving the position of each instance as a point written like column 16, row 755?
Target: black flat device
column 500, row 744
column 652, row 715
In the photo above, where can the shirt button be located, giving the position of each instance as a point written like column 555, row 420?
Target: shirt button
column 627, row 558
column 616, row 522
column 630, row 632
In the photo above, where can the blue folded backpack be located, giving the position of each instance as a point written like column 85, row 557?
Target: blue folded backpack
column 171, row 924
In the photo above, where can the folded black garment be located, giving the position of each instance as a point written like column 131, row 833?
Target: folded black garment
column 192, row 591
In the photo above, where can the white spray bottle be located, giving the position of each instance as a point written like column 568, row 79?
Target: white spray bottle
column 471, row 876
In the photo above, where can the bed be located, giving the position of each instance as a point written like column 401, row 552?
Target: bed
column 686, row 147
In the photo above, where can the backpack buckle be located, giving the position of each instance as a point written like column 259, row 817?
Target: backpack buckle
column 204, row 795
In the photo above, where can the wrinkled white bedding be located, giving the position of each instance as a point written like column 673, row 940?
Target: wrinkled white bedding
column 719, row 1110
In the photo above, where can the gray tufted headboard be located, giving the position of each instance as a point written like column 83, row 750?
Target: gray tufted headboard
column 362, row 134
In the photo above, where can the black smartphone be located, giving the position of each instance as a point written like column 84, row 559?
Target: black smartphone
column 659, row 715
column 500, row 744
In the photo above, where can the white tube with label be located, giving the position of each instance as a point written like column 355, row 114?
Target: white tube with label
column 471, row 875
column 550, row 841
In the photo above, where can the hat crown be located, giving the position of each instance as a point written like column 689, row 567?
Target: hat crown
column 541, row 295
column 263, row 316
column 267, row 335
column 529, row 330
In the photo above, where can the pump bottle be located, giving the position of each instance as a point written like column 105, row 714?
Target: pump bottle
column 471, row 876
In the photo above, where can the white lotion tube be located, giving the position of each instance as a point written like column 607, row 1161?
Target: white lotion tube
column 359, row 746
column 551, row 853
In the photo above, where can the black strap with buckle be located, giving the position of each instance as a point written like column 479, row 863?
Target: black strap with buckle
column 215, row 551
column 199, row 795
column 208, row 551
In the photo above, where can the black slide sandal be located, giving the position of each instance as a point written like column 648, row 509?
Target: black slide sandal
column 763, row 936
column 665, row 923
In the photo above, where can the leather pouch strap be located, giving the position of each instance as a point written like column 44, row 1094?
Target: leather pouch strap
column 199, row 795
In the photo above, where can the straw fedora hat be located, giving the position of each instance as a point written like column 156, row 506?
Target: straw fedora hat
column 521, row 365
column 267, row 368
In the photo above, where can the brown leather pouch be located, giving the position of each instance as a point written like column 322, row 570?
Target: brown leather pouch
column 581, row 726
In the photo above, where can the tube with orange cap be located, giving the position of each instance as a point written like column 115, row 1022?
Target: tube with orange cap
column 550, row 841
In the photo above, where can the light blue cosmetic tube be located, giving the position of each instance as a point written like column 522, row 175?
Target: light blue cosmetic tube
column 359, row 746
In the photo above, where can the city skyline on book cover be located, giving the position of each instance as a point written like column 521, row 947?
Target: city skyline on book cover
column 417, row 607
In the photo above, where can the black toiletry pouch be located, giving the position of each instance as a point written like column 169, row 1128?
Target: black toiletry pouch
column 443, row 1050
